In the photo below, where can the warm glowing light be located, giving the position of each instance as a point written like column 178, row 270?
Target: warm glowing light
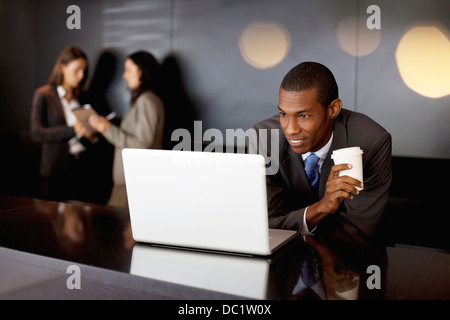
column 356, row 38
column 423, row 60
column 264, row 44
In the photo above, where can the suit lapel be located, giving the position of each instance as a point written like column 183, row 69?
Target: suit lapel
column 339, row 141
column 295, row 173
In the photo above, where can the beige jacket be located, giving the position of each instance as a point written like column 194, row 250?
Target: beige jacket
column 142, row 127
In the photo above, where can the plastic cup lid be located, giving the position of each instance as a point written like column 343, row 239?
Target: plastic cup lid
column 346, row 152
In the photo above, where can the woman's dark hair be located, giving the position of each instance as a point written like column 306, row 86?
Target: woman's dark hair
column 151, row 73
column 65, row 57
column 312, row 75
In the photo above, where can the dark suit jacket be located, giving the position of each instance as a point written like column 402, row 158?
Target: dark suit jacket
column 48, row 126
column 289, row 191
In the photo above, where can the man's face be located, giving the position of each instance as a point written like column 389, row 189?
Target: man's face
column 307, row 125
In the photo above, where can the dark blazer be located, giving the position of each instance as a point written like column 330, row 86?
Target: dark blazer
column 48, row 126
column 289, row 191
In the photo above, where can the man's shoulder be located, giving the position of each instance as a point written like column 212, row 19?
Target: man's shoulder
column 362, row 130
column 359, row 122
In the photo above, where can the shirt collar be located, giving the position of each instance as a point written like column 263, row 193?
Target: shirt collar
column 61, row 91
column 322, row 152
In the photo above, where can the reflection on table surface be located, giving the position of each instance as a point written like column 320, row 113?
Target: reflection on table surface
column 232, row 274
column 337, row 263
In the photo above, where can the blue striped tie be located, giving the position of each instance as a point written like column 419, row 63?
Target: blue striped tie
column 312, row 170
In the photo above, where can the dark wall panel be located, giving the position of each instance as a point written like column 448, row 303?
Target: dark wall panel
column 202, row 39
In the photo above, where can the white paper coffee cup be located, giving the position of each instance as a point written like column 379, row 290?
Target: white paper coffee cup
column 353, row 156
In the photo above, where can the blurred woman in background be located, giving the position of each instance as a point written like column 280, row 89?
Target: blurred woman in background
column 54, row 125
column 142, row 126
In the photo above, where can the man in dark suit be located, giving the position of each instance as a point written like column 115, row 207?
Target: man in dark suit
column 313, row 121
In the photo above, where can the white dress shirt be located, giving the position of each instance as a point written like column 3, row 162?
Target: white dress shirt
column 75, row 146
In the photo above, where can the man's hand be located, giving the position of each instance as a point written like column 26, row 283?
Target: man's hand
column 337, row 189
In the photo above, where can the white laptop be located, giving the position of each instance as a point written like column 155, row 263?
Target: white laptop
column 200, row 200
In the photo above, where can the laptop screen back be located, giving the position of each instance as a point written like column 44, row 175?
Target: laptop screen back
column 211, row 201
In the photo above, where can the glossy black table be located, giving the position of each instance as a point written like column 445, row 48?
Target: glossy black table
column 75, row 250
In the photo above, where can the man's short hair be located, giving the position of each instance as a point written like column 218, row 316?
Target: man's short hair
column 312, row 75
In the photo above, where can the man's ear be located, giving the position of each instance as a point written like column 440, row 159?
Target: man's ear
column 334, row 108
